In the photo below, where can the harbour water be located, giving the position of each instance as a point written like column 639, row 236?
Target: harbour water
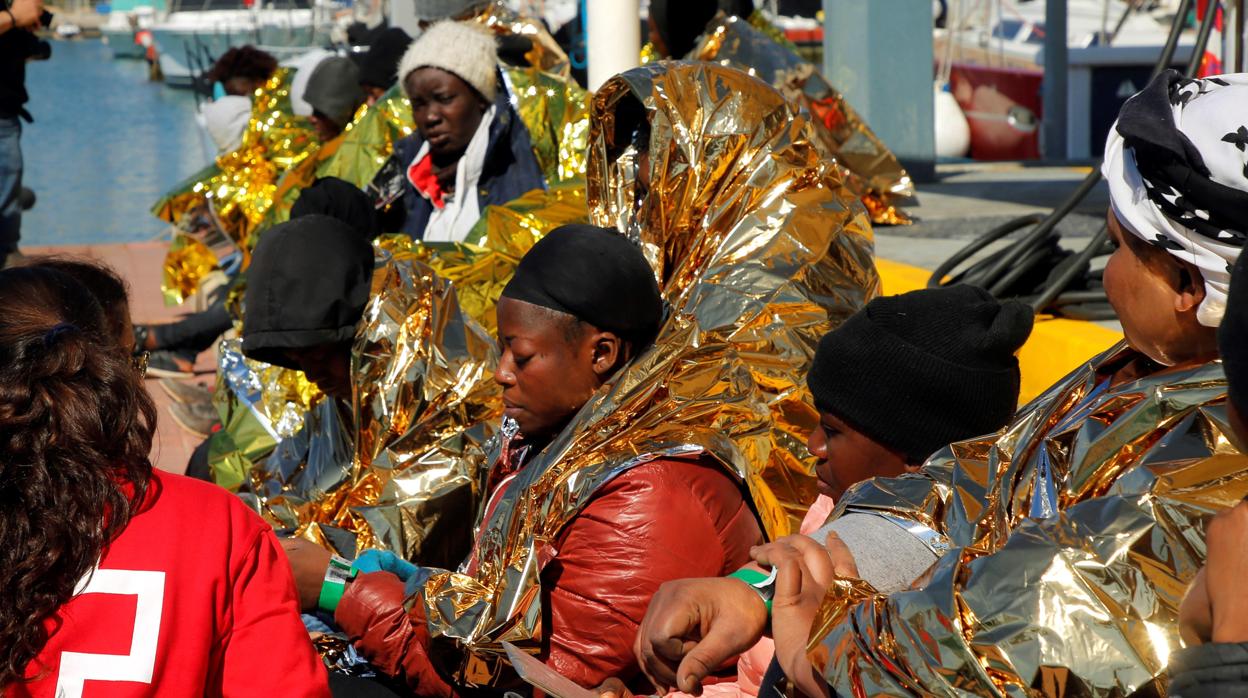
column 105, row 145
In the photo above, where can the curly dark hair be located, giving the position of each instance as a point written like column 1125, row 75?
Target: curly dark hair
column 75, row 432
column 243, row 62
column 108, row 288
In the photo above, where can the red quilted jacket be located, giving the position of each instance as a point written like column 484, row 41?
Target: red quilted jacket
column 664, row 520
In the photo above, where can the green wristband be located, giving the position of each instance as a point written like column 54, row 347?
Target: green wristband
column 762, row 583
column 337, row 575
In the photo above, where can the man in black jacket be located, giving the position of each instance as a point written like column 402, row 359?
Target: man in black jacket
column 1214, row 616
column 17, row 45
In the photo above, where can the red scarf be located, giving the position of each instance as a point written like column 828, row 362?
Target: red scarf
column 421, row 175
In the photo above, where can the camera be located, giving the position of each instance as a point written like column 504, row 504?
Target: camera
column 41, row 50
column 31, row 46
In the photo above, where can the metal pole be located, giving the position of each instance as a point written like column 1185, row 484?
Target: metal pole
column 613, row 44
column 1054, row 87
column 1237, row 41
column 878, row 54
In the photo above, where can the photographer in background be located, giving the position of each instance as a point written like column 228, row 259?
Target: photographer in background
column 17, row 45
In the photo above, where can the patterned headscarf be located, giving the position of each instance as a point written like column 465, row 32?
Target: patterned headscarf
column 1177, row 167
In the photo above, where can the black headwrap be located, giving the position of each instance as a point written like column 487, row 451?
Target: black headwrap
column 380, row 66
column 339, row 199
column 594, row 274
column 307, row 286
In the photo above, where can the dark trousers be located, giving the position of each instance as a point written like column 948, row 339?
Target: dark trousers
column 195, row 332
column 10, row 184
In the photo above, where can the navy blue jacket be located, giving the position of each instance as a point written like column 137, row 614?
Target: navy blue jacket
column 510, row 168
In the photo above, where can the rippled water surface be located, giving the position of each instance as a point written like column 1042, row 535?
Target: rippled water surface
column 105, row 145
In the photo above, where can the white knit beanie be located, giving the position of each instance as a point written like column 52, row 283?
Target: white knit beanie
column 465, row 49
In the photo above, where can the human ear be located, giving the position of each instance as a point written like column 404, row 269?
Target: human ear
column 607, row 352
column 1190, row 289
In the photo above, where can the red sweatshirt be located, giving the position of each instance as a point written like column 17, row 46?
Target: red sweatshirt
column 194, row 598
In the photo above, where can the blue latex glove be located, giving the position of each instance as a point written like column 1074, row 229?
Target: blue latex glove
column 384, row 561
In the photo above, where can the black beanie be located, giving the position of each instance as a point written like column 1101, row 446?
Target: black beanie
column 307, row 285
column 921, row 370
column 594, row 274
column 339, row 199
column 380, row 66
column 1233, row 337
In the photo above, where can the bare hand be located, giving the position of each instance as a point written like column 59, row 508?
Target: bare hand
column 824, row 562
column 693, row 626
column 800, row 591
column 308, row 562
column 26, row 12
column 1226, row 568
column 613, row 688
column 1195, row 613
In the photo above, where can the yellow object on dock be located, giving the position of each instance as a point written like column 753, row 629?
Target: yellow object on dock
column 1057, row 346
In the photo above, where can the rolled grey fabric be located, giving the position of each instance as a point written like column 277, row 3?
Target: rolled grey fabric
column 888, row 556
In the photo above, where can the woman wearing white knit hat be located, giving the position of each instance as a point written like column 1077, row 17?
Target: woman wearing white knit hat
column 470, row 150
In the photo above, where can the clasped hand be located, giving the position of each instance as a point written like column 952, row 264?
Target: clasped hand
column 695, row 626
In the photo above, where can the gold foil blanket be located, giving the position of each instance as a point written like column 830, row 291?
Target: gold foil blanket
column 553, row 109
column 1074, row 534
column 238, row 189
column 760, row 250
column 875, row 174
column 398, row 469
column 241, row 183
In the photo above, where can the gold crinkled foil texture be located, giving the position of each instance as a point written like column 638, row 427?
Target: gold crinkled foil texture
column 240, row 184
column 1074, row 534
column 400, row 471
column 254, row 187
column 555, row 112
column 368, row 141
column 761, row 250
column 425, row 403
column 187, row 263
column 545, row 53
column 874, row 172
column 238, row 189
column 260, row 406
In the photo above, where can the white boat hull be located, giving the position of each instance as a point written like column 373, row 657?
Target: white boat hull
column 196, row 38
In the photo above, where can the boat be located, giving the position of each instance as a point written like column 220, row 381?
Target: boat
column 121, row 31
column 191, row 38
column 67, row 30
column 991, row 58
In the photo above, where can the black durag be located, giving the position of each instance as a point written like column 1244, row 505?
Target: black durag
column 595, row 275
